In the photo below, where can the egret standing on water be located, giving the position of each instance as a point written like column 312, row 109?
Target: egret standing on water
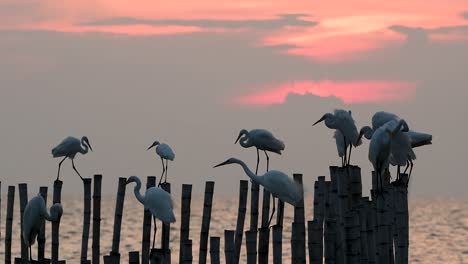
column 276, row 182
column 34, row 215
column 157, row 201
column 68, row 149
column 165, row 153
column 261, row 139
column 342, row 121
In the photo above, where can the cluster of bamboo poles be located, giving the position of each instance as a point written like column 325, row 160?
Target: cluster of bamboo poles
column 347, row 228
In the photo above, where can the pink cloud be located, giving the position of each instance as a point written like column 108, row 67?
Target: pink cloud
column 348, row 91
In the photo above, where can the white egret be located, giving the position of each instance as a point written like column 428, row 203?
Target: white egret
column 157, row 201
column 34, row 215
column 380, row 147
column 68, row 148
column 261, row 139
column 276, row 182
column 342, row 121
column 165, row 153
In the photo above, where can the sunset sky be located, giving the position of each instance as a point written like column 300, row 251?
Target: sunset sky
column 193, row 73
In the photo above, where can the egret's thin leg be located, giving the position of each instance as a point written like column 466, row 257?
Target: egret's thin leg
column 30, row 254
column 268, row 159
column 165, row 180
column 273, row 211
column 345, row 150
column 407, row 166
column 154, row 231
column 73, row 165
column 410, row 170
column 349, row 157
column 162, row 174
column 342, row 161
column 398, row 172
column 258, row 161
column 60, row 164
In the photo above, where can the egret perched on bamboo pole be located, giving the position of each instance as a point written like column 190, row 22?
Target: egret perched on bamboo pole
column 68, row 148
column 279, row 184
column 343, row 122
column 261, row 139
column 157, row 201
column 34, row 216
column 165, row 153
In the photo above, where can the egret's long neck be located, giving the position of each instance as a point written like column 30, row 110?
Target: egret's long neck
column 253, row 176
column 48, row 217
column 84, row 149
column 136, row 190
column 245, row 142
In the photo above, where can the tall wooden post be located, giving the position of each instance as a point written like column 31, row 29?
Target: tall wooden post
column 214, row 250
column 56, row 198
column 242, row 209
column 96, row 219
column 206, row 219
column 229, row 245
column 41, row 238
column 9, row 223
column 251, row 245
column 264, row 234
column 119, row 205
column 147, row 220
column 299, row 249
column 185, row 220
column 402, row 220
column 86, row 220
column 166, row 228
column 23, row 198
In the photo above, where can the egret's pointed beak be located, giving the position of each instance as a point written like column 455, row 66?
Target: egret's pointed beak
column 359, row 137
column 240, row 135
column 320, row 120
column 89, row 145
column 151, row 146
column 221, row 164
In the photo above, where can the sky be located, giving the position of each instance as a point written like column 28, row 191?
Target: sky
column 192, row 74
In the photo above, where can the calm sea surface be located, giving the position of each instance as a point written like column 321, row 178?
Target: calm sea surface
column 438, row 228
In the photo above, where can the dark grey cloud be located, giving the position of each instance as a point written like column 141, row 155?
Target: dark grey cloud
column 265, row 24
column 422, row 33
column 465, row 15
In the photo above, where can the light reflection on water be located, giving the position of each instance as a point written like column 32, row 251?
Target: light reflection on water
column 438, row 228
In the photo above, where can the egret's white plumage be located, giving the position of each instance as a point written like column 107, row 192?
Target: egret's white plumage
column 34, row 215
column 156, row 200
column 279, row 184
column 165, row 153
column 342, row 121
column 68, row 148
column 261, row 139
column 419, row 139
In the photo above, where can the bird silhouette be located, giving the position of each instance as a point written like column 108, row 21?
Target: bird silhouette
column 34, row 215
column 342, row 121
column 165, row 153
column 68, row 148
column 279, row 184
column 261, row 139
column 157, row 201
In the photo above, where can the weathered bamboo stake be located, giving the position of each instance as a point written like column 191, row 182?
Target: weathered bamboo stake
column 119, row 205
column 297, row 253
column 299, row 219
column 254, row 201
column 277, row 244
column 134, row 257
column 363, row 219
column 185, row 220
column 56, row 198
column 263, row 244
column 371, row 232
column 330, row 238
column 9, row 223
column 147, row 220
column 341, row 207
column 314, row 236
column 206, row 218
column 353, row 243
column 166, row 230
column 229, row 245
column 319, row 215
column 23, row 198
column 96, row 218
column 187, row 249
column 280, row 212
column 355, row 185
column 264, row 234
column 251, row 246
column 382, row 234
column 158, row 256
column 41, row 236
column 242, row 209
column 402, row 221
column 86, row 219
column 214, row 250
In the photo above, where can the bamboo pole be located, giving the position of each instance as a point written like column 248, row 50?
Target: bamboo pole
column 372, row 231
column 229, row 246
column 23, row 198
column 242, row 209
column 134, row 257
column 41, row 238
column 206, row 218
column 96, row 218
column 185, row 220
column 214, row 250
column 355, row 185
column 263, row 244
column 320, row 201
column 187, row 257
column 9, row 223
column 330, row 239
column 382, row 228
column 265, row 208
column 363, row 220
column 402, row 221
column 277, row 244
column 251, row 246
column 341, row 206
column 314, row 240
column 166, row 230
column 119, row 205
column 254, row 201
column 56, row 198
column 147, row 219
column 353, row 243
column 297, row 252
column 299, row 220
column 86, row 219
